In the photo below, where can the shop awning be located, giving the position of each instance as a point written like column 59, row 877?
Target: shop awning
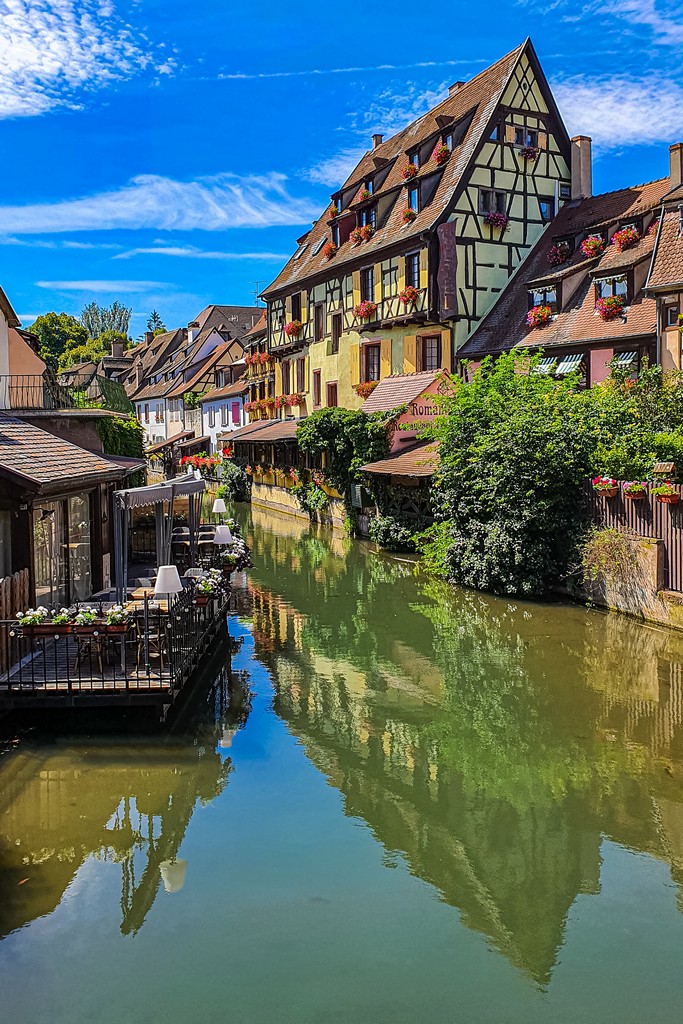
column 569, row 363
column 160, row 445
column 546, row 365
column 192, row 442
column 180, row 486
column 625, row 360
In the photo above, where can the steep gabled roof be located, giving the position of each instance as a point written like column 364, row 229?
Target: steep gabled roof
column 41, row 461
column 504, row 327
column 239, row 387
column 472, row 106
column 667, row 264
column 6, row 309
column 235, row 320
column 399, row 389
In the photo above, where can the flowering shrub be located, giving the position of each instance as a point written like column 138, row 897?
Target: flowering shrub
column 329, row 250
column 365, row 309
column 538, row 316
column 85, row 617
column 227, row 452
column 496, row 220
column 319, row 478
column 408, row 215
column 610, row 307
column 593, row 245
column 293, row 474
column 293, row 328
column 635, row 488
column 289, row 401
column 248, row 470
column 365, row 389
column 625, row 238
column 408, row 172
column 603, row 484
column 408, row 296
column 440, row 153
column 203, row 462
column 529, row 152
column 363, row 195
column 558, row 254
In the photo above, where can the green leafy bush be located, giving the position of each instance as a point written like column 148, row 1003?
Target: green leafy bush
column 390, row 533
column 312, row 499
column 235, row 482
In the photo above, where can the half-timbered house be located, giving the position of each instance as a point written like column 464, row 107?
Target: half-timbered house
column 420, row 239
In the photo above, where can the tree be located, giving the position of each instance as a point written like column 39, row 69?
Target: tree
column 155, row 324
column 58, row 331
column 98, row 319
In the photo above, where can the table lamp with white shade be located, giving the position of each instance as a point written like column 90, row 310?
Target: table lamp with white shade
column 167, row 582
column 222, row 536
column 219, row 507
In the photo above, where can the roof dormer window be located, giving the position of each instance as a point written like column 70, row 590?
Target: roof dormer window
column 368, row 185
column 607, row 287
column 368, row 217
column 414, row 159
column 300, row 251
column 544, row 296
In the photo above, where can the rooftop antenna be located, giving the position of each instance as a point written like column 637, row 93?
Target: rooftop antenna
column 257, row 289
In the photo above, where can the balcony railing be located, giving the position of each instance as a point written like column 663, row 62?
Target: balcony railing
column 34, row 391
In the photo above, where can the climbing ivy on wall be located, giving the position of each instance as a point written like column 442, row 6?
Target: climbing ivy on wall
column 121, row 436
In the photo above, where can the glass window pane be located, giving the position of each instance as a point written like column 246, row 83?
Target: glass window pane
column 50, row 554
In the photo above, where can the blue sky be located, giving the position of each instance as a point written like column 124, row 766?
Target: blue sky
column 168, row 154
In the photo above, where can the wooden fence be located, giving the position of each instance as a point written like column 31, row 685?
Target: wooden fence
column 646, row 517
column 14, row 592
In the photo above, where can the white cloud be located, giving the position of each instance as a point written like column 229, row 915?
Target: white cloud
column 52, row 50
column 335, row 169
column 618, row 111
column 397, row 106
column 44, row 243
column 151, row 201
column 311, row 72
column 661, row 17
column 190, row 252
column 122, row 287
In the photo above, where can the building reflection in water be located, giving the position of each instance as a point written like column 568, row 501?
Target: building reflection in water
column 127, row 803
column 494, row 746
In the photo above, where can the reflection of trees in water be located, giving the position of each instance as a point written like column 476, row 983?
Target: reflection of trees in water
column 119, row 802
column 497, row 777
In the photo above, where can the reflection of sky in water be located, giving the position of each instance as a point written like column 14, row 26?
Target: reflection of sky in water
column 441, row 806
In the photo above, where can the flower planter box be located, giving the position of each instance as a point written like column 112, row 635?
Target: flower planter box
column 114, row 627
column 40, row 629
column 201, row 600
column 607, row 492
column 639, row 496
column 668, row 499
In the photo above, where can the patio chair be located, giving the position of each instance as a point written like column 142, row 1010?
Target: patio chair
column 155, row 641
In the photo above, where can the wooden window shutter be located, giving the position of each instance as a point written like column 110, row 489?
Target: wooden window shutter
column 356, row 287
column 278, row 378
column 446, row 362
column 424, row 267
column 288, row 309
column 401, row 273
column 304, row 306
column 410, row 353
column 378, row 282
column 510, row 133
column 354, row 362
column 542, row 140
column 385, row 357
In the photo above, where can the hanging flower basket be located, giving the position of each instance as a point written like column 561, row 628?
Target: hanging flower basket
column 593, row 245
column 334, row 210
column 625, row 238
column 538, row 316
column 293, row 328
column 356, row 236
column 634, row 490
column 666, row 493
column 496, row 220
column 529, row 152
column 408, row 215
column 365, row 310
column 329, row 250
column 408, row 296
column 605, row 486
column 408, row 172
column 611, row 307
column 440, row 153
column 558, row 254
column 365, row 389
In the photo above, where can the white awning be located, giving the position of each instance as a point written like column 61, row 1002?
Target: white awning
column 570, row 363
column 546, row 365
column 135, row 497
column 625, row 360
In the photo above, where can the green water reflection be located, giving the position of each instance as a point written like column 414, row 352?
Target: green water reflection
column 408, row 803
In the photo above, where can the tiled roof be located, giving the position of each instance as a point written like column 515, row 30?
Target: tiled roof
column 6, row 309
column 667, row 268
column 258, row 330
column 235, row 319
column 207, row 366
column 192, row 442
column 504, row 327
column 44, row 461
column 227, row 391
column 398, row 389
column 267, row 431
column 476, row 100
column 180, row 436
column 420, row 460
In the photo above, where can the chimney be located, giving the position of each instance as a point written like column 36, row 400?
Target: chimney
column 675, row 164
column 149, row 335
column 452, row 89
column 377, row 140
column 117, row 349
column 582, row 168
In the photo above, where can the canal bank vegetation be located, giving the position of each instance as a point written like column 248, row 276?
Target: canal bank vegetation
column 516, row 448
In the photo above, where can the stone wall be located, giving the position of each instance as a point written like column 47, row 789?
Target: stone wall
column 282, row 500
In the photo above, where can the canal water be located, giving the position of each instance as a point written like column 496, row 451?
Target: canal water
column 406, row 804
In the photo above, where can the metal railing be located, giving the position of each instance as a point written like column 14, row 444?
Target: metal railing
column 36, row 391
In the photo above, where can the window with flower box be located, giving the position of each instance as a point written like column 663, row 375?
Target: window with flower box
column 526, row 137
column 368, row 185
column 545, row 296
column 368, row 217
column 367, row 284
column 492, row 201
column 606, row 287
column 414, row 159
column 413, row 270
column 371, row 360
column 336, row 333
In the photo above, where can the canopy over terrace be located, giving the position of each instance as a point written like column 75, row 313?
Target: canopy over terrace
column 162, row 497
